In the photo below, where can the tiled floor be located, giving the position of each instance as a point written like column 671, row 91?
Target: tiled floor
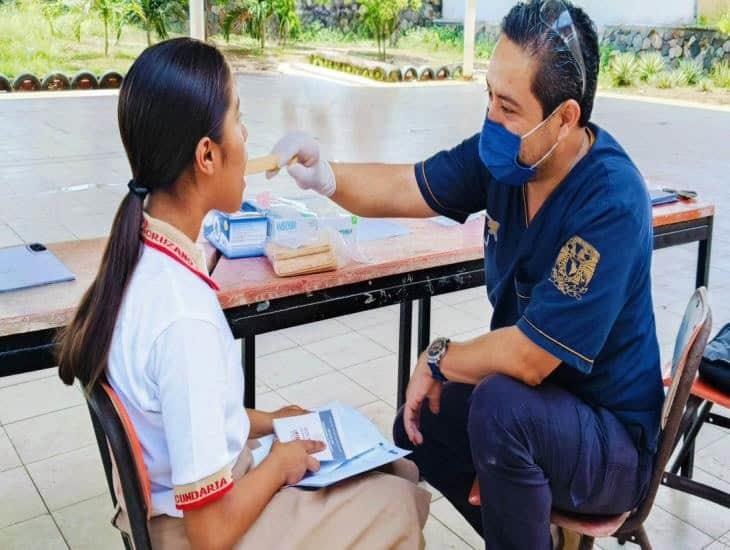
column 49, row 462
column 52, row 488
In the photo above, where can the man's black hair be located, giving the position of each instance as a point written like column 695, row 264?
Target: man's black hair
column 558, row 75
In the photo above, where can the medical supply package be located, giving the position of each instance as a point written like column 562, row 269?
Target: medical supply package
column 241, row 234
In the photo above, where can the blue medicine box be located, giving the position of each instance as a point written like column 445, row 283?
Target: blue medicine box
column 238, row 235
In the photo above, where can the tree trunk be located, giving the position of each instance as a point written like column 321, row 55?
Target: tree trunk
column 106, row 37
column 262, row 32
column 149, row 37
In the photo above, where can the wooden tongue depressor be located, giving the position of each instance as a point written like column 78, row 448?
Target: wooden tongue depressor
column 263, row 164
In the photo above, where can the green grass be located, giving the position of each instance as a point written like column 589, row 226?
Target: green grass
column 27, row 45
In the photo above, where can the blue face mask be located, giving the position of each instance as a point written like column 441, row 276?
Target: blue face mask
column 499, row 150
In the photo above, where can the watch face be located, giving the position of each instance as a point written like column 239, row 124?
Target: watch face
column 436, row 348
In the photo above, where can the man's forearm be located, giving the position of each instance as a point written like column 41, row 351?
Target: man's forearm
column 502, row 351
column 379, row 191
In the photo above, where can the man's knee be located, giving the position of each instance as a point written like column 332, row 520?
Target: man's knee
column 500, row 415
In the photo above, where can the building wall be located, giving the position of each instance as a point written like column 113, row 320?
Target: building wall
column 713, row 8
column 603, row 12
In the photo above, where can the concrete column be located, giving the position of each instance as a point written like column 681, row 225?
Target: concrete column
column 197, row 19
column 470, row 19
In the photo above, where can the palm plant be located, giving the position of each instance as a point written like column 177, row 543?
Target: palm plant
column 154, row 15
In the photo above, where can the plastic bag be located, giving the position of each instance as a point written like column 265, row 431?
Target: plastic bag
column 309, row 235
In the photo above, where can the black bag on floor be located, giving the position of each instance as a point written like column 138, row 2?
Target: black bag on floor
column 715, row 365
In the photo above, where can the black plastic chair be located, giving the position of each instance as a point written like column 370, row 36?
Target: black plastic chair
column 111, row 434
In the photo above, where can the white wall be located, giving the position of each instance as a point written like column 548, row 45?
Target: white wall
column 603, row 12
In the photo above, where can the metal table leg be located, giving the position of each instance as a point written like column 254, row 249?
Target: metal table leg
column 703, row 258
column 404, row 349
column 248, row 362
column 424, row 323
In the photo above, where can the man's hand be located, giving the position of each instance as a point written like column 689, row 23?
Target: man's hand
column 310, row 171
column 421, row 386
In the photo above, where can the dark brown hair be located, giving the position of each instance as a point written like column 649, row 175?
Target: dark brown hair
column 175, row 93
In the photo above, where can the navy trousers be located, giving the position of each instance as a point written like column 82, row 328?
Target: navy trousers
column 532, row 449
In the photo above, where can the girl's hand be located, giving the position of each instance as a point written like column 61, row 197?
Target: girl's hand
column 292, row 460
column 289, row 410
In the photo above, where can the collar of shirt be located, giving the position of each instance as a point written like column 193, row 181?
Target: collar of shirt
column 174, row 243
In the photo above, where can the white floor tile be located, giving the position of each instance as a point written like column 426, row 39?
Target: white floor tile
column 38, row 533
column 706, row 516
column 379, row 376
column 666, row 531
column 370, row 318
column 346, row 350
column 440, row 537
column 283, row 368
column 715, row 458
column 382, row 415
column 723, row 543
column 449, row 321
column 20, row 499
column 9, row 459
column 447, row 514
column 35, row 398
column 314, row 332
column 320, row 391
column 463, row 295
column 87, row 526
column 272, row 342
column 69, row 478
column 16, row 379
column 51, row 434
column 270, row 402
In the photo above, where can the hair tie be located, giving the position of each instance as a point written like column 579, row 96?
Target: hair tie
column 139, row 190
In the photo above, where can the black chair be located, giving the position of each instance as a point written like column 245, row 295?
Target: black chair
column 114, row 432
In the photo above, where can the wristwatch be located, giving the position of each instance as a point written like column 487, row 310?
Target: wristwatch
column 434, row 354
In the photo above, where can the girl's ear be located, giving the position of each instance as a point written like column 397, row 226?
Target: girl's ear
column 204, row 156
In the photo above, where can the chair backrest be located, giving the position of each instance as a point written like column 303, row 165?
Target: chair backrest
column 688, row 349
column 114, row 431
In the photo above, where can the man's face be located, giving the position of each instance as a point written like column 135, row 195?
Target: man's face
column 512, row 103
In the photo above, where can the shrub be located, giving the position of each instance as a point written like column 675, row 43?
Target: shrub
column 650, row 64
column 689, row 71
column 721, row 74
column 624, row 69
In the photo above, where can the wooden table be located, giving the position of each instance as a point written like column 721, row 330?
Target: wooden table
column 429, row 261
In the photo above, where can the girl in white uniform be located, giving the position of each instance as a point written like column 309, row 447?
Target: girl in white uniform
column 151, row 326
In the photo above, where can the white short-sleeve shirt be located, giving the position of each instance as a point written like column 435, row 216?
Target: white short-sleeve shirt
column 174, row 364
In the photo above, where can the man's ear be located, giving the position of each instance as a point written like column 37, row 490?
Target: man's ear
column 205, row 153
column 569, row 117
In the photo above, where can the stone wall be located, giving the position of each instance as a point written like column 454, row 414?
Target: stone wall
column 343, row 14
column 704, row 45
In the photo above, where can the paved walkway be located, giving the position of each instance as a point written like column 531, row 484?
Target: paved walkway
column 63, row 171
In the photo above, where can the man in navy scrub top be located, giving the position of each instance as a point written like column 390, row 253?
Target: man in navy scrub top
column 559, row 404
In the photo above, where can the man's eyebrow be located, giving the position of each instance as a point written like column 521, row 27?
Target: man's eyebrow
column 505, row 98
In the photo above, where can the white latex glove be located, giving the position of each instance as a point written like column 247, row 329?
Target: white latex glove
column 310, row 172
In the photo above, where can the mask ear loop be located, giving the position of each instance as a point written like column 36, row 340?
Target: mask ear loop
column 550, row 152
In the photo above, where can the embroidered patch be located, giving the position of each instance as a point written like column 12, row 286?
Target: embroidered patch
column 492, row 226
column 574, row 267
